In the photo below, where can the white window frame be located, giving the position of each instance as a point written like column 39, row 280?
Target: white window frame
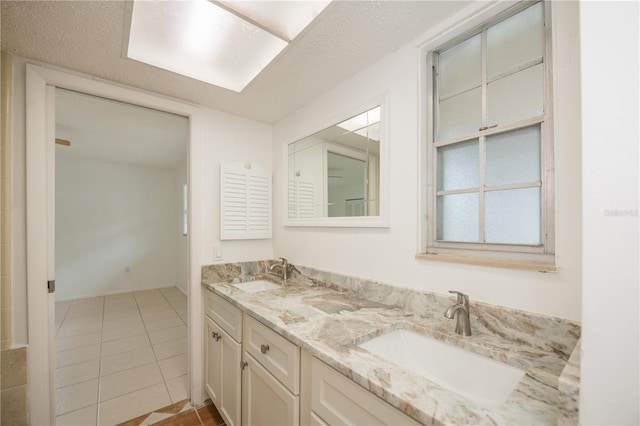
column 536, row 257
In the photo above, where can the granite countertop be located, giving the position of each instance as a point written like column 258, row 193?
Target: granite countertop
column 330, row 323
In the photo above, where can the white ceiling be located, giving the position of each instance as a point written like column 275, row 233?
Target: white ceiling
column 107, row 130
column 88, row 36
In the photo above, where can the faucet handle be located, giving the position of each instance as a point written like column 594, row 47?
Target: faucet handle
column 462, row 298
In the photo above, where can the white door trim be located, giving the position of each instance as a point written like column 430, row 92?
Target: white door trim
column 39, row 366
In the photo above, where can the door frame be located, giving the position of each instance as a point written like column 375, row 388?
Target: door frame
column 39, row 196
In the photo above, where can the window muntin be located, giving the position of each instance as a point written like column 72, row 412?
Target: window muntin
column 489, row 139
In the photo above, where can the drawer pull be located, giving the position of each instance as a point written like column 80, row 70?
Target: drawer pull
column 215, row 335
column 264, row 349
column 243, row 364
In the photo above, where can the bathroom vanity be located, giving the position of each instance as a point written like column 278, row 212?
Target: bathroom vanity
column 296, row 353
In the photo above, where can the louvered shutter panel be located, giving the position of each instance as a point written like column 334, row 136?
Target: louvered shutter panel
column 245, row 201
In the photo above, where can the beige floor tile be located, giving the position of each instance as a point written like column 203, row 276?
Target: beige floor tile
column 182, row 313
column 178, row 304
column 176, row 296
column 82, row 417
column 163, row 324
column 178, row 388
column 168, row 335
column 175, row 366
column 85, row 307
column 119, row 297
column 155, row 308
column 169, row 349
column 77, row 373
column 151, row 301
column 126, row 344
column 120, row 305
column 67, row 343
column 156, row 316
column 122, row 332
column 151, row 293
column 114, row 324
column 130, row 380
column 84, row 314
column 77, row 355
column 63, row 306
column 77, row 326
column 125, row 313
column 125, row 360
column 131, row 405
column 88, row 301
column 77, row 396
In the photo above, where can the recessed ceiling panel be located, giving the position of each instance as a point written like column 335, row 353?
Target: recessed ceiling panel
column 200, row 40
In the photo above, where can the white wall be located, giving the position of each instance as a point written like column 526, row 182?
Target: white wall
column 610, row 326
column 224, row 137
column 389, row 254
column 230, row 138
column 115, row 228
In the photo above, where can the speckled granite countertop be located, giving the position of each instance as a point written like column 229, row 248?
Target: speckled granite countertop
column 330, row 323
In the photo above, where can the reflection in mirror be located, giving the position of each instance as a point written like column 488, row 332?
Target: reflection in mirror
column 336, row 172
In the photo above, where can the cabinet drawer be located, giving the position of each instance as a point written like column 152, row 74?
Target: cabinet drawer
column 228, row 317
column 339, row 401
column 278, row 355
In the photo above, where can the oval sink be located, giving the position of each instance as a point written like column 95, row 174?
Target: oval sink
column 256, row 286
column 483, row 380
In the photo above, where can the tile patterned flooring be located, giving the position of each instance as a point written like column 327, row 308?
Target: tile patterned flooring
column 180, row 414
column 120, row 356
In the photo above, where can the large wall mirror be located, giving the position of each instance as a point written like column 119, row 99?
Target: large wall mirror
column 335, row 176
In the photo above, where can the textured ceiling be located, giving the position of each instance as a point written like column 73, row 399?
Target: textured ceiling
column 87, row 36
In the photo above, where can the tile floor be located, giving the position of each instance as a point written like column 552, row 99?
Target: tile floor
column 120, row 356
column 180, row 414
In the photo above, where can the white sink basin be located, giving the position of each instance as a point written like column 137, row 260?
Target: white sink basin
column 483, row 380
column 256, row 286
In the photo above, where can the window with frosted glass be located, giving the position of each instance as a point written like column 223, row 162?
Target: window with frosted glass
column 489, row 121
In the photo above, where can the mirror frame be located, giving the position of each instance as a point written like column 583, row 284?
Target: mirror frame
column 380, row 221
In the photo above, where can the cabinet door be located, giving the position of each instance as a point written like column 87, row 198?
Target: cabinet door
column 222, row 372
column 230, row 406
column 265, row 401
column 213, row 362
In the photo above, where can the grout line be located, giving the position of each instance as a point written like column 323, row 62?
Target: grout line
column 63, row 318
column 198, row 416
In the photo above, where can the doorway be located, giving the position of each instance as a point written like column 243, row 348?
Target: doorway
column 121, row 259
column 40, row 153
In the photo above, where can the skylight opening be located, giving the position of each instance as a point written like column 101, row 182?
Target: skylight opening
column 226, row 44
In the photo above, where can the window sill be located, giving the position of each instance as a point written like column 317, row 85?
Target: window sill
column 496, row 263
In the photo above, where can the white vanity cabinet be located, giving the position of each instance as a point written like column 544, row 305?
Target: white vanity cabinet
column 271, row 377
column 336, row 400
column 223, row 355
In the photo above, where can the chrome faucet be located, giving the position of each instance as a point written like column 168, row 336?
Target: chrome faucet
column 461, row 309
column 285, row 267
